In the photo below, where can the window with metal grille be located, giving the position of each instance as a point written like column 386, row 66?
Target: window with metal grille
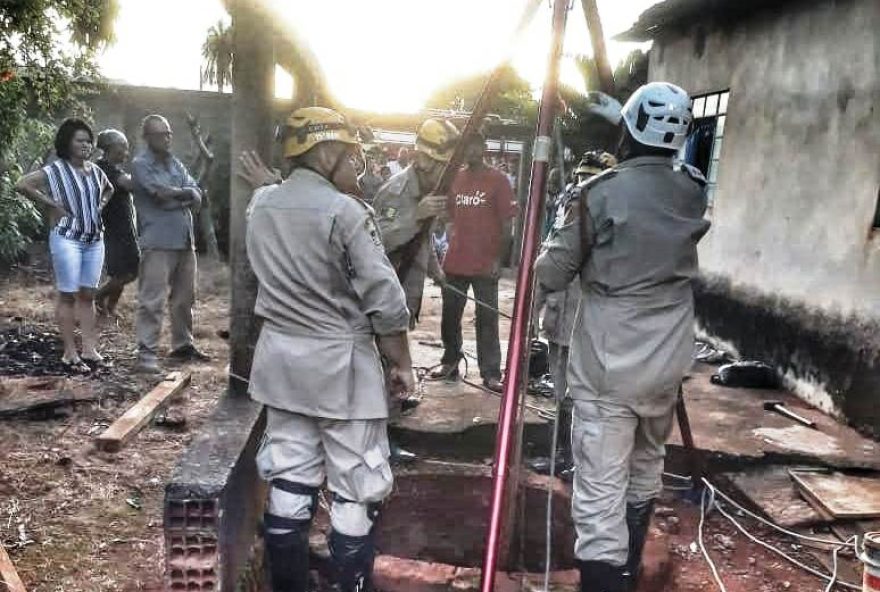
column 703, row 146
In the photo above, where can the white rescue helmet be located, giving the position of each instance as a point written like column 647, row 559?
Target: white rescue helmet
column 659, row 114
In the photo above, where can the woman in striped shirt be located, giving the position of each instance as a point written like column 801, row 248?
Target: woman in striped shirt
column 75, row 191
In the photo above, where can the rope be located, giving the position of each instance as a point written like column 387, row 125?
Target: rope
column 703, row 550
column 554, row 439
column 711, row 491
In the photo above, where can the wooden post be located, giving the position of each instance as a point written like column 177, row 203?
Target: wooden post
column 8, row 576
column 253, row 91
column 600, row 53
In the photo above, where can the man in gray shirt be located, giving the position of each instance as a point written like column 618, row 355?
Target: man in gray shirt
column 166, row 196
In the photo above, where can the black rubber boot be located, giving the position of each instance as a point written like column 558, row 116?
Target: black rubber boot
column 638, row 519
column 288, row 554
column 598, row 576
column 353, row 559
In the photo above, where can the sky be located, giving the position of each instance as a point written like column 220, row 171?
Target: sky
column 380, row 55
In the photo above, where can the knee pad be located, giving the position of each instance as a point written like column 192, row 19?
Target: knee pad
column 291, row 506
column 355, row 519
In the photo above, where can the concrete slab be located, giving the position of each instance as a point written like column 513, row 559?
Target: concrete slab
column 455, row 419
column 731, row 422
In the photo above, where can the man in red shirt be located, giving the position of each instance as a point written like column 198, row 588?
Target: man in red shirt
column 481, row 207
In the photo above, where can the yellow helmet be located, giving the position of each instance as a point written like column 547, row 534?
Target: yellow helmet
column 437, row 138
column 309, row 126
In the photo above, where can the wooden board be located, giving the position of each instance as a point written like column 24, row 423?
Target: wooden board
column 132, row 421
column 770, row 490
column 40, row 395
column 9, row 580
column 842, row 496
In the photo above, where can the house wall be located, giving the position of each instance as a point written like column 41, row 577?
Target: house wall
column 792, row 265
column 123, row 107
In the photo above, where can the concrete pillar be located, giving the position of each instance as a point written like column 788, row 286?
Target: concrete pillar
column 253, row 90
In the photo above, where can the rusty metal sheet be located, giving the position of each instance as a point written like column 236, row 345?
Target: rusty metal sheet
column 841, row 496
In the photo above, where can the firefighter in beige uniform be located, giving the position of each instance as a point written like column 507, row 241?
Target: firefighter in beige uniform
column 402, row 205
column 557, row 322
column 328, row 296
column 404, row 202
column 634, row 246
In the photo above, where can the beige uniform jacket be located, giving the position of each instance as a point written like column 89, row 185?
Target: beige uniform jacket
column 396, row 203
column 561, row 307
column 633, row 336
column 326, row 289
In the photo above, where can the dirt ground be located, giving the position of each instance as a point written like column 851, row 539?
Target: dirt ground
column 74, row 519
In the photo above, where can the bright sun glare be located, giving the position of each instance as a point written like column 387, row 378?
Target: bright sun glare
column 382, row 55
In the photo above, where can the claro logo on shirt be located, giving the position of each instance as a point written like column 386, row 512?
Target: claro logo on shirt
column 468, row 200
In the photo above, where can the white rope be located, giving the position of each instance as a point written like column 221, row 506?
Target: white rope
column 549, row 526
column 711, row 494
column 781, row 553
column 834, row 553
column 726, row 498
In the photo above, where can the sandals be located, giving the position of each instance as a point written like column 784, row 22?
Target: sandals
column 95, row 361
column 75, row 364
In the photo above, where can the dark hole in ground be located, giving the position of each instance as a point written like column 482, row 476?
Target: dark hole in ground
column 441, row 518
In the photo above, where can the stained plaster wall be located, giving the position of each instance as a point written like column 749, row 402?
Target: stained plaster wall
column 792, row 265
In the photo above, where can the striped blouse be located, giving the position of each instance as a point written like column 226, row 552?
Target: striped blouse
column 81, row 196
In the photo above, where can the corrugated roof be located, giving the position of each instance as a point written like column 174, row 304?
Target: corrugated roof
column 672, row 13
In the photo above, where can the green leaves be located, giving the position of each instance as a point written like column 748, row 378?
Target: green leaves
column 46, row 61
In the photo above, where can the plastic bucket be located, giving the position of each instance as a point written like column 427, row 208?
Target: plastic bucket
column 870, row 557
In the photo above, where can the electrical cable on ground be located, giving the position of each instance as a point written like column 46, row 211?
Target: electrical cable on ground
column 713, row 503
column 710, row 493
column 852, row 540
column 764, row 521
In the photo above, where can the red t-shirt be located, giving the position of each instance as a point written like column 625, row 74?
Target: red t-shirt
column 480, row 202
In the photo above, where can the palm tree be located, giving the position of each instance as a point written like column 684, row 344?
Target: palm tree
column 217, row 52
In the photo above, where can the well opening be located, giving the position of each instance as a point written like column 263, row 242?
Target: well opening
column 441, row 518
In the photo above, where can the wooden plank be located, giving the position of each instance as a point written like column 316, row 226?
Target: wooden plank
column 33, row 396
column 132, row 421
column 8, row 576
column 771, row 490
column 841, row 496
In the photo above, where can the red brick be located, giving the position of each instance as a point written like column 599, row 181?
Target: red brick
column 393, row 574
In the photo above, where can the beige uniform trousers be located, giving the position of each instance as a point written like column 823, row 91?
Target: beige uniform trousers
column 165, row 275
column 352, row 454
column 619, row 458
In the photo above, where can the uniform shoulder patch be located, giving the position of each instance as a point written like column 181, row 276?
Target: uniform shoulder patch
column 372, row 229
column 694, row 173
column 387, row 213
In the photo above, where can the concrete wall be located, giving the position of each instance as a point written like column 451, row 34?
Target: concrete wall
column 798, row 184
column 123, row 107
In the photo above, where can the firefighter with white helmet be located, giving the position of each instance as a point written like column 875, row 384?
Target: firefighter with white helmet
column 559, row 309
column 632, row 241
column 331, row 304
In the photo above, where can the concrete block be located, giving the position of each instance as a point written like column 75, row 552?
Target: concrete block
column 214, row 500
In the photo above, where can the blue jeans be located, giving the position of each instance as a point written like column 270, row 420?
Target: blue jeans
column 77, row 264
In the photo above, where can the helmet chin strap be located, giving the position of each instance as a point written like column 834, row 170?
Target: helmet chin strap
column 339, row 160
